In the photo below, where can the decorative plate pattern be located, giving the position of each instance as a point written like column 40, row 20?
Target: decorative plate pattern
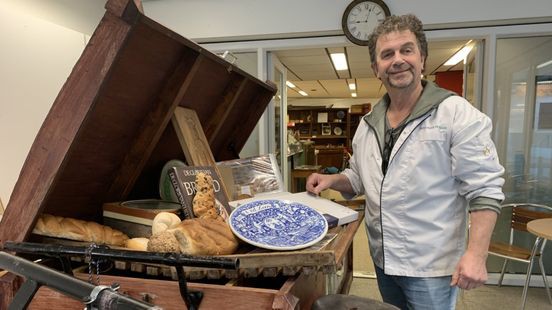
column 278, row 224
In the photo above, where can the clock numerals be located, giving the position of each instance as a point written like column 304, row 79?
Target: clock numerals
column 361, row 17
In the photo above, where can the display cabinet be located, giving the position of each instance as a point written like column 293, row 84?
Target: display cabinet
column 324, row 126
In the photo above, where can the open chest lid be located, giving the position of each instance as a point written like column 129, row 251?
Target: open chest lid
column 109, row 131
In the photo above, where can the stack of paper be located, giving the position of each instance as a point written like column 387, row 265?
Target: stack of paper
column 325, row 206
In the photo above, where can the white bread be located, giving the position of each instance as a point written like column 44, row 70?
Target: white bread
column 137, row 244
column 164, row 221
column 74, row 229
column 205, row 237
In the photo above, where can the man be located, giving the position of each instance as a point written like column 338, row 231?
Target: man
column 423, row 158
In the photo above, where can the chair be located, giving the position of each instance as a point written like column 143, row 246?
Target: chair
column 522, row 213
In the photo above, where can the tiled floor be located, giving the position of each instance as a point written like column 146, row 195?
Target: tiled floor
column 484, row 298
column 489, row 297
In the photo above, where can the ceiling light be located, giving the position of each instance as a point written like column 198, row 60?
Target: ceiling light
column 353, row 94
column 459, row 56
column 289, row 84
column 339, row 61
column 352, row 86
column 544, row 64
column 303, row 93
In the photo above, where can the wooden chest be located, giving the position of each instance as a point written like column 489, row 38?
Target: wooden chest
column 108, row 135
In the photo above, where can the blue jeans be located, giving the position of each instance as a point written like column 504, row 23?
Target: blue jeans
column 431, row 293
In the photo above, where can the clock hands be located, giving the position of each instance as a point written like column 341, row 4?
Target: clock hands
column 367, row 18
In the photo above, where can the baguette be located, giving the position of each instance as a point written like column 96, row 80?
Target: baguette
column 74, row 229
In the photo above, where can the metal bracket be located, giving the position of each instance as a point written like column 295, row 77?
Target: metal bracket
column 95, row 293
column 192, row 299
column 25, row 294
column 232, row 59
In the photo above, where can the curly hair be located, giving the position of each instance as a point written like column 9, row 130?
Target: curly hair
column 398, row 23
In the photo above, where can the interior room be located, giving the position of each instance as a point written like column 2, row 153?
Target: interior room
column 303, row 112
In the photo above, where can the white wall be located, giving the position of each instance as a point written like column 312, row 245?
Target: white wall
column 212, row 19
column 36, row 58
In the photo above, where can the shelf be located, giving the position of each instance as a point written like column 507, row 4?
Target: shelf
column 323, row 137
column 304, row 121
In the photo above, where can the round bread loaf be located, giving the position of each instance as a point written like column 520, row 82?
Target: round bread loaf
column 163, row 242
column 205, row 237
column 164, row 221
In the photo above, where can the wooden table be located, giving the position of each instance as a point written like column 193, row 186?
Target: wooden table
column 542, row 228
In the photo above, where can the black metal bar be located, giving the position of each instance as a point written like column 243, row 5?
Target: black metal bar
column 171, row 259
column 24, row 296
column 45, row 275
column 70, row 286
column 66, row 265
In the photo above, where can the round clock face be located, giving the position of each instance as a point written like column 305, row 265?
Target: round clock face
column 361, row 17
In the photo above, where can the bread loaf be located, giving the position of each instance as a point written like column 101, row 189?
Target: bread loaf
column 137, row 244
column 204, row 204
column 164, row 221
column 164, row 242
column 74, row 229
column 205, row 237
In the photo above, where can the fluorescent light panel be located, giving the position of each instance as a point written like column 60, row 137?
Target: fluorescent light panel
column 339, row 61
column 352, row 86
column 459, row 56
column 544, row 64
column 302, row 93
column 353, row 94
column 289, row 84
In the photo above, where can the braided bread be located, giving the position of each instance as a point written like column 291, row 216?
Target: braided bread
column 73, row 229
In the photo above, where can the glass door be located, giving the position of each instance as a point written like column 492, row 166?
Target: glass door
column 523, row 124
column 277, row 126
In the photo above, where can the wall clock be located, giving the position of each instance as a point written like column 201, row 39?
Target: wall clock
column 361, row 17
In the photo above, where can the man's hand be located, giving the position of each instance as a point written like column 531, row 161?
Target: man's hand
column 317, row 182
column 471, row 271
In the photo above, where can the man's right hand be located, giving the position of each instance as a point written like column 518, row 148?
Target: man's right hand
column 317, row 182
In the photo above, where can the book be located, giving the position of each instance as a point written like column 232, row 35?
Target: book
column 334, row 213
column 184, row 185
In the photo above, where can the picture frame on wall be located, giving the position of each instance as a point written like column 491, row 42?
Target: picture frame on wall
column 322, row 117
column 326, row 129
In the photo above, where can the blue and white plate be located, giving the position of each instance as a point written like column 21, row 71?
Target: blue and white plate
column 278, row 224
